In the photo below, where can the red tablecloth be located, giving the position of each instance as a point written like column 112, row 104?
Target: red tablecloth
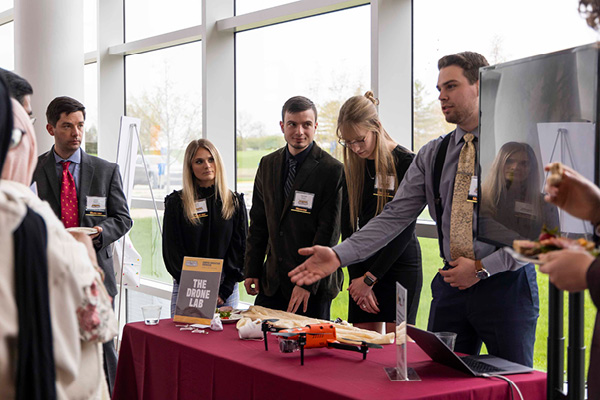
column 162, row 362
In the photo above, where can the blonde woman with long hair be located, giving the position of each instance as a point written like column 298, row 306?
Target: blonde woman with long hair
column 205, row 219
column 512, row 197
column 374, row 166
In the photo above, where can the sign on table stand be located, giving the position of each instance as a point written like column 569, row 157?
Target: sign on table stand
column 401, row 372
column 198, row 290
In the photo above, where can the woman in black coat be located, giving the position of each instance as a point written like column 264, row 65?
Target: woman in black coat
column 374, row 166
column 205, row 219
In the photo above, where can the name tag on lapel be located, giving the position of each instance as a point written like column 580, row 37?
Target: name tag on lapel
column 472, row 197
column 303, row 202
column 95, row 206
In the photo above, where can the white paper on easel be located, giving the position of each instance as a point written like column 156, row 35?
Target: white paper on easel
column 127, row 153
column 132, row 262
column 573, row 144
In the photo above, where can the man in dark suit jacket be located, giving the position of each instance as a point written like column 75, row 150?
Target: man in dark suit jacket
column 101, row 203
column 294, row 207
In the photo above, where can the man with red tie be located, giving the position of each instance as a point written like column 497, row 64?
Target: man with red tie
column 83, row 191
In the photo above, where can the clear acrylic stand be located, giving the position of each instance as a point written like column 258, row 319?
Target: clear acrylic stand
column 401, row 372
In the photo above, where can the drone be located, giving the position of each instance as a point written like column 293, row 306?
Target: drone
column 312, row 336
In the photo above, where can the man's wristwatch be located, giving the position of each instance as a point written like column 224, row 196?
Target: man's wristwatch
column 481, row 272
column 369, row 281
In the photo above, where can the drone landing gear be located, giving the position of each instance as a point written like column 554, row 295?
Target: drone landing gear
column 363, row 348
column 267, row 326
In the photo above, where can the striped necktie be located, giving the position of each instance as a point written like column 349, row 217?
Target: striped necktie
column 68, row 198
column 289, row 182
column 461, row 218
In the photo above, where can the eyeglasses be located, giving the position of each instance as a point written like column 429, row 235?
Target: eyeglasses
column 16, row 138
column 352, row 143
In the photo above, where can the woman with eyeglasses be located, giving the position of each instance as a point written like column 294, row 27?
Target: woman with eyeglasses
column 374, row 166
column 205, row 219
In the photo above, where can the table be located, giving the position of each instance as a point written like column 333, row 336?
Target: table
column 162, row 362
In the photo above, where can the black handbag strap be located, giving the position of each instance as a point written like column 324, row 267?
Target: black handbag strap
column 438, row 166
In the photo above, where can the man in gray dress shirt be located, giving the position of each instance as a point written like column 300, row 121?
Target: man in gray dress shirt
column 492, row 299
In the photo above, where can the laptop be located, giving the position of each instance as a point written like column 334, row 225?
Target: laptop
column 481, row 365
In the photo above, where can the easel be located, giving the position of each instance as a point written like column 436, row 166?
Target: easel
column 576, row 349
column 130, row 149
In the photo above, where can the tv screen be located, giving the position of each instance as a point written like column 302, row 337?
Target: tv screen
column 534, row 111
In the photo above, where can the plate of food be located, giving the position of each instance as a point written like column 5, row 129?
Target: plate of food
column 83, row 229
column 548, row 241
column 229, row 315
column 520, row 257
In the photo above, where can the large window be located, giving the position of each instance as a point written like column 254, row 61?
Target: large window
column 325, row 58
column 517, row 29
column 163, row 89
column 90, row 80
column 247, row 6
column 6, row 4
column 7, row 49
column 145, row 18
column 90, row 25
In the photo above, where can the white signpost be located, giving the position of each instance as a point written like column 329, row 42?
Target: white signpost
column 401, row 372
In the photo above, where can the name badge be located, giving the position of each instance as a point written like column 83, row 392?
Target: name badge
column 95, row 206
column 472, row 197
column 524, row 209
column 201, row 208
column 303, row 202
column 390, row 187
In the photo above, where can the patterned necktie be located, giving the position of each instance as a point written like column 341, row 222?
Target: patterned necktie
column 289, row 182
column 68, row 198
column 461, row 218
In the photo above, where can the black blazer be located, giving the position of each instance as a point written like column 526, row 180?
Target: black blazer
column 98, row 177
column 278, row 232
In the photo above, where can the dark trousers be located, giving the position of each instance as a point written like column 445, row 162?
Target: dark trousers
column 110, row 360
column 110, row 363
column 500, row 311
column 317, row 307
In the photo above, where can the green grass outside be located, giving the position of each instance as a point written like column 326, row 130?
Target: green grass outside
column 145, row 237
column 247, row 163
